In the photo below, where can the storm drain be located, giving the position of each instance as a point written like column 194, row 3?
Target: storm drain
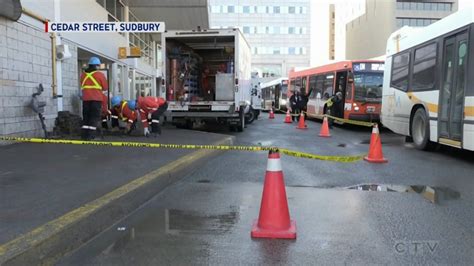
column 431, row 193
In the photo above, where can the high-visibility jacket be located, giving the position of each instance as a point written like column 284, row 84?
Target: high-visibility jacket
column 92, row 85
column 124, row 113
column 148, row 105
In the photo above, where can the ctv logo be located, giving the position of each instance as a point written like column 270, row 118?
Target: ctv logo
column 414, row 247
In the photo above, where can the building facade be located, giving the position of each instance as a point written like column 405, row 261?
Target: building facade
column 365, row 36
column 26, row 55
column 278, row 31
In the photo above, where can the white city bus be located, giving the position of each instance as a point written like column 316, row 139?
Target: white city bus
column 274, row 94
column 428, row 90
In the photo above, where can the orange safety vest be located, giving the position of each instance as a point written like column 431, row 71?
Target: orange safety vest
column 90, row 76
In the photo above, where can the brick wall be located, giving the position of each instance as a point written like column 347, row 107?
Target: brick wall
column 25, row 61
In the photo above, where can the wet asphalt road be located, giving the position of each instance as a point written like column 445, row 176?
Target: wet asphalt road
column 206, row 217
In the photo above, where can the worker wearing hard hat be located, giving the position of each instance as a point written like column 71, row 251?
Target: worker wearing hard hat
column 151, row 109
column 124, row 111
column 93, row 83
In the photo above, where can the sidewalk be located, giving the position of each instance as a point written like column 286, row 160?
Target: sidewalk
column 41, row 182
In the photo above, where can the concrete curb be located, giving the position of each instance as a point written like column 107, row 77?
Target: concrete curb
column 46, row 244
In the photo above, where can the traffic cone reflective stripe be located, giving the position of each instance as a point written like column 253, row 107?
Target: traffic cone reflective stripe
column 288, row 117
column 375, row 149
column 274, row 217
column 271, row 115
column 301, row 123
column 325, row 129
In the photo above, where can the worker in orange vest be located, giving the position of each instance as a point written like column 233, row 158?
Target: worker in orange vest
column 93, row 84
column 151, row 108
column 125, row 111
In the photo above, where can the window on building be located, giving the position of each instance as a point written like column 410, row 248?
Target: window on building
column 291, row 10
column 401, row 63
column 301, row 50
column 276, row 50
column 260, row 30
column 276, row 10
column 424, row 68
column 215, row 9
column 115, row 9
column 291, row 50
column 300, row 10
column 231, row 9
column 291, row 30
column 284, row 30
column 261, row 9
column 246, row 29
column 255, row 50
column 284, row 10
column 276, row 30
column 246, row 9
column 267, row 30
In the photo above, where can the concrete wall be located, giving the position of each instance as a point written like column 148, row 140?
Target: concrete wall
column 25, row 61
column 366, row 36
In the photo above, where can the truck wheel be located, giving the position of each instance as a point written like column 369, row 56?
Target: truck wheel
column 250, row 116
column 420, row 130
column 241, row 125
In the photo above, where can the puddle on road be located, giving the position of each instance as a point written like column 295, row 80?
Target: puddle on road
column 194, row 222
column 343, row 145
column 433, row 194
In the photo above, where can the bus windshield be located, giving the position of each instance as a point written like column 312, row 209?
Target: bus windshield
column 368, row 86
column 284, row 90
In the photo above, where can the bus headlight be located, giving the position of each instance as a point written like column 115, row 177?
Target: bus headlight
column 356, row 108
column 283, row 102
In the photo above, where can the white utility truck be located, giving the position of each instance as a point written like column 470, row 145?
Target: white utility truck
column 207, row 77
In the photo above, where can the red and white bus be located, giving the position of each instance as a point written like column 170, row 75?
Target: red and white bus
column 359, row 81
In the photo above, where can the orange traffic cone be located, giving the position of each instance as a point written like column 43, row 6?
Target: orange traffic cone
column 325, row 129
column 375, row 149
column 301, row 123
column 274, row 218
column 271, row 115
column 288, row 117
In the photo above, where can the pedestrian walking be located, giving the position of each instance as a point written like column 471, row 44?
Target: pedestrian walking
column 334, row 107
column 93, row 84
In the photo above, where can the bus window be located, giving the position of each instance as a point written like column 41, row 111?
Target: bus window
column 297, row 84
column 424, row 68
column 303, row 85
column 328, row 86
column 284, row 90
column 292, row 84
column 350, row 81
column 320, row 85
column 399, row 77
column 312, row 87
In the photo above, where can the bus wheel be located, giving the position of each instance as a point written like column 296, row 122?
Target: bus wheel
column 420, row 130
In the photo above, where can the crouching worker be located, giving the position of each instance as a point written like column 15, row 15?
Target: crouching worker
column 125, row 111
column 151, row 109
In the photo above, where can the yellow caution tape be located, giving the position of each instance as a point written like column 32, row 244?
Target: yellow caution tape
column 348, row 121
column 342, row 159
column 353, row 122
